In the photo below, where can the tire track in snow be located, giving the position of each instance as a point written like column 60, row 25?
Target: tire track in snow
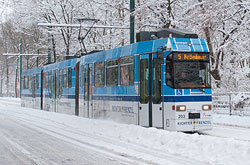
column 158, row 157
column 33, row 158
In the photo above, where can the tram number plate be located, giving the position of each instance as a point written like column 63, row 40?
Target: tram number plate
column 194, row 115
column 181, row 116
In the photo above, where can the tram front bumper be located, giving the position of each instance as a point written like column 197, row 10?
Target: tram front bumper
column 190, row 125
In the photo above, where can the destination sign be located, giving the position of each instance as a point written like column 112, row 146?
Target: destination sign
column 191, row 56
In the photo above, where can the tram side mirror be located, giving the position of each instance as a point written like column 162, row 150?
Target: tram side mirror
column 160, row 57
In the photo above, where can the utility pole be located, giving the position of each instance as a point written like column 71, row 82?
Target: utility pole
column 132, row 21
column 20, row 70
column 49, row 44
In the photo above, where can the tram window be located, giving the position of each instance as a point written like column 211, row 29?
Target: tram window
column 29, row 82
column 33, row 86
column 69, row 77
column 44, row 80
column 23, row 85
column 127, row 70
column 60, row 81
column 144, row 81
column 22, row 81
column 37, row 80
column 65, row 78
column 82, row 76
column 99, row 74
column 47, row 80
column 54, row 84
column 86, row 84
column 90, row 82
column 169, row 71
column 156, row 82
column 194, row 74
column 50, row 81
column 112, row 72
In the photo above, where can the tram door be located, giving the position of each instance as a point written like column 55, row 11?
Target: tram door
column 33, row 86
column 150, row 106
column 41, row 99
column 88, row 110
column 55, row 92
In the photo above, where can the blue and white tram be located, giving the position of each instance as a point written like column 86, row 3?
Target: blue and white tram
column 60, row 87
column 31, row 92
column 163, row 83
column 129, row 85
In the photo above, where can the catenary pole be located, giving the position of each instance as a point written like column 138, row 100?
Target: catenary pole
column 20, row 60
column 132, row 21
column 49, row 44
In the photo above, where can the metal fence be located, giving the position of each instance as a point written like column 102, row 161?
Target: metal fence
column 232, row 103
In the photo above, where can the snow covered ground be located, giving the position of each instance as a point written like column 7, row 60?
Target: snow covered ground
column 29, row 136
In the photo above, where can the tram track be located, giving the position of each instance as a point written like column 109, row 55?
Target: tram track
column 231, row 125
column 230, row 131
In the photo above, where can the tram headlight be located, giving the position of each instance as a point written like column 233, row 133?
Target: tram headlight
column 181, row 108
column 206, row 107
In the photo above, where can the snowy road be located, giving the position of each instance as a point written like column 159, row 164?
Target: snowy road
column 30, row 136
column 21, row 144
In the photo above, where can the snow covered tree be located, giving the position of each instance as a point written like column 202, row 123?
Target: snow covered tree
column 224, row 24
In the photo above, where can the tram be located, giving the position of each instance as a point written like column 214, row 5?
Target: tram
column 163, row 83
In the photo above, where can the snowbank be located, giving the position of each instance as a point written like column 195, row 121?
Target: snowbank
column 201, row 148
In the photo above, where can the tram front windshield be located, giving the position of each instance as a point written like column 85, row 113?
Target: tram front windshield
column 188, row 71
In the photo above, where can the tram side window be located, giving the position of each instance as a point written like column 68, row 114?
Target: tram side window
column 27, row 82
column 82, row 76
column 60, row 81
column 47, row 80
column 112, row 72
column 127, row 70
column 169, row 71
column 30, row 82
column 99, row 74
column 33, row 86
column 144, row 81
column 50, row 81
column 22, row 81
column 156, row 82
column 37, row 80
column 69, row 77
column 65, row 78
column 44, row 80
column 86, row 84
